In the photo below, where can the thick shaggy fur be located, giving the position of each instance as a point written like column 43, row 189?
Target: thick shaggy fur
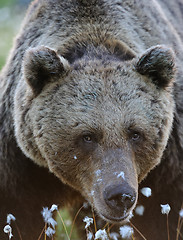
column 83, row 79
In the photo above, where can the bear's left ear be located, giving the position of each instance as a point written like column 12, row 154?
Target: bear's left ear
column 158, row 64
column 42, row 65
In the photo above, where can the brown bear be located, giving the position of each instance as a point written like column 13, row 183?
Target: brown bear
column 89, row 105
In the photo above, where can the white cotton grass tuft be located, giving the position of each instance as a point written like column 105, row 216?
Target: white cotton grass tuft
column 92, row 193
column 101, row 234
column 165, row 209
column 68, row 222
column 181, row 213
column 8, row 230
column 139, row 210
column 47, row 215
column 89, row 236
column 98, row 172
column 50, row 232
column 86, row 205
column 53, row 208
column 126, row 231
column 130, row 215
column 88, row 221
column 99, row 180
column 52, row 222
column 122, row 175
column 10, row 218
column 146, row 191
column 114, row 236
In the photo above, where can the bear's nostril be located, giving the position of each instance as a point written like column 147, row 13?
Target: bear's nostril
column 119, row 197
column 128, row 200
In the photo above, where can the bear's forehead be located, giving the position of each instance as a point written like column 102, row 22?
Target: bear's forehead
column 117, row 86
column 100, row 93
column 98, row 97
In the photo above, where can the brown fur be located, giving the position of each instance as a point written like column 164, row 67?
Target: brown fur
column 88, row 83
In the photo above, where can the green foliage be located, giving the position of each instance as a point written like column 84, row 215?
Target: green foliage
column 60, row 232
column 6, row 35
column 7, row 3
column 10, row 21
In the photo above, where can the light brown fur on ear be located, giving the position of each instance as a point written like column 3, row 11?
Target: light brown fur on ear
column 42, row 65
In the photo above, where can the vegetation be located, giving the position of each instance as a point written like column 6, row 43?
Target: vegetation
column 10, row 21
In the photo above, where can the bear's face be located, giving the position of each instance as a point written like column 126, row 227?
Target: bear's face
column 100, row 128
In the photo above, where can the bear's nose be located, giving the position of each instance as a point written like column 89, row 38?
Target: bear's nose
column 119, row 197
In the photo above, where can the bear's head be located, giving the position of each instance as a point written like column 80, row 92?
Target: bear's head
column 99, row 126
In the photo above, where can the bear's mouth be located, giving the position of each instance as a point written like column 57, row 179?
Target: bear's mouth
column 120, row 220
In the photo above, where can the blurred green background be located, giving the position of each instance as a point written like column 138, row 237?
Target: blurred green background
column 12, row 13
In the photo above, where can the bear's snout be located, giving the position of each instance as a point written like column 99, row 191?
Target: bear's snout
column 119, row 197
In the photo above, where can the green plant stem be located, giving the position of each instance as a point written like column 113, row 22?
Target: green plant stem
column 63, row 225
column 75, row 221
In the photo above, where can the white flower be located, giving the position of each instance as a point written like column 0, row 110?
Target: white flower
column 10, row 218
column 114, row 236
column 49, row 232
column 130, row 215
column 86, row 205
column 165, row 209
column 89, row 236
column 139, row 210
column 75, row 157
column 101, row 234
column 68, row 222
column 126, row 231
column 53, row 208
column 98, row 172
column 47, row 215
column 88, row 221
column 122, row 175
column 146, row 191
column 92, row 193
column 99, row 180
column 8, row 230
column 52, row 222
column 181, row 213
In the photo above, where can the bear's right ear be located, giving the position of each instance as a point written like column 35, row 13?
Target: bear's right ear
column 158, row 63
column 42, row 65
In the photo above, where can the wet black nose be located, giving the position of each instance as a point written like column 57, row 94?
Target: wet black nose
column 119, row 197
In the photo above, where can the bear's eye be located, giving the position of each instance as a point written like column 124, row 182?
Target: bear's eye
column 88, row 138
column 134, row 136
